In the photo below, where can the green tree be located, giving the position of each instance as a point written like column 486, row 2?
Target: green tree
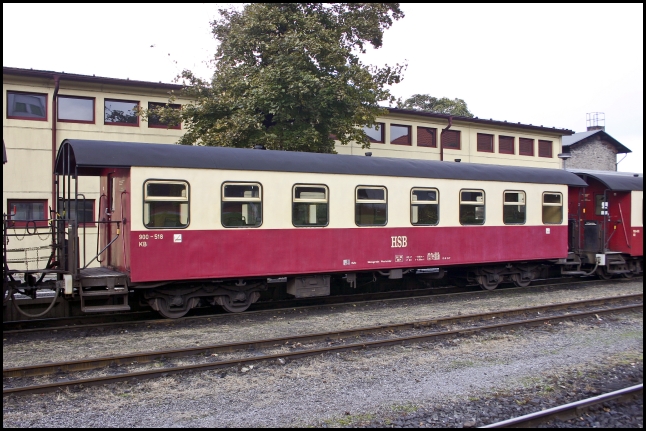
column 425, row 102
column 288, row 76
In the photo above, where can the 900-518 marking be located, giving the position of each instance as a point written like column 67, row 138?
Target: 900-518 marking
column 149, row 236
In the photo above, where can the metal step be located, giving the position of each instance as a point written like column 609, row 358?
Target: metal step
column 104, row 308
column 109, row 292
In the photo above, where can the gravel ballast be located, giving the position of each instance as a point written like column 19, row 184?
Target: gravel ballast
column 457, row 382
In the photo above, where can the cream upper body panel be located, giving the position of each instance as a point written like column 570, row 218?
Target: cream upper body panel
column 205, row 196
column 637, row 209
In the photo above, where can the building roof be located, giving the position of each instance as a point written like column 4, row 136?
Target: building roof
column 48, row 74
column 581, row 137
column 619, row 181
column 91, row 156
column 490, row 121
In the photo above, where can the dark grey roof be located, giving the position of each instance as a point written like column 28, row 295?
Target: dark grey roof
column 624, row 181
column 578, row 137
column 90, row 156
column 490, row 121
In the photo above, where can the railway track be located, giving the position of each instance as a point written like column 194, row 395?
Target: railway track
column 335, row 341
column 570, row 410
column 151, row 317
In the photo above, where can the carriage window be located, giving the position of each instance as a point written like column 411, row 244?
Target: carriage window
column 165, row 204
column 241, row 204
column 552, row 208
column 371, row 206
column 600, row 205
column 513, row 208
column 82, row 210
column 310, row 205
column 424, row 207
column 472, row 207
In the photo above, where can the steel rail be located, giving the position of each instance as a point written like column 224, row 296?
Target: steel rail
column 566, row 411
column 145, row 357
column 298, row 354
column 262, row 307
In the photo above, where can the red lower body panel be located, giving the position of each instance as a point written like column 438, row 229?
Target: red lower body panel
column 233, row 253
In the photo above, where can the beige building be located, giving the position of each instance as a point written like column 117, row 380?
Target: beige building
column 44, row 108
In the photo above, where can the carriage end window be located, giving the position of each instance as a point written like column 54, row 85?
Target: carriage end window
column 83, row 214
column 310, row 205
column 513, row 209
column 424, row 207
column 241, row 204
column 552, row 208
column 166, row 204
column 371, row 206
column 472, row 207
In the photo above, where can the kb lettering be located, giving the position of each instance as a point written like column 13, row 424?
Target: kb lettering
column 398, row 241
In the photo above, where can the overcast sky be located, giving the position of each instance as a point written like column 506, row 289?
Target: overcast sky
column 538, row 64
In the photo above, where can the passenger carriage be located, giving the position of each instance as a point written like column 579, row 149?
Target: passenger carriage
column 187, row 224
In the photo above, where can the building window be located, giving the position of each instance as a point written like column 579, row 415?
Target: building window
column 310, row 205
column 400, row 135
column 424, row 207
column 552, row 208
column 525, row 147
column 485, row 143
column 472, row 207
column 426, row 137
column 85, row 213
column 241, row 204
column 506, row 145
column 21, row 211
column 75, row 109
column 165, row 204
column 545, row 149
column 450, row 139
column 513, row 209
column 26, row 106
column 375, row 133
column 121, row 112
column 371, row 206
column 155, row 121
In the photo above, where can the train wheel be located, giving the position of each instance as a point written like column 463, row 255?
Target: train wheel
column 603, row 274
column 245, row 299
column 519, row 281
column 488, row 283
column 162, row 307
column 234, row 307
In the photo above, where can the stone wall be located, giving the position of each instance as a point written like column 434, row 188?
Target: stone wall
column 596, row 154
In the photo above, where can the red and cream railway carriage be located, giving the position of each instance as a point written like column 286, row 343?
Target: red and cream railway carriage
column 186, row 224
column 607, row 222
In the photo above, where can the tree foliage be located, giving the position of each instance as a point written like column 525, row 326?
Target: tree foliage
column 444, row 105
column 288, row 76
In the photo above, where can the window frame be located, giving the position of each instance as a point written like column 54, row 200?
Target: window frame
column 410, row 134
column 166, row 199
column 92, row 221
column 434, row 133
column 550, row 204
column 23, row 223
column 64, row 120
column 490, row 144
column 120, row 124
column 382, row 129
column 436, row 202
column 520, row 151
column 20, row 117
column 260, row 199
column 513, row 144
column 484, row 206
column 448, row 132
column 504, row 203
column 163, row 126
column 551, row 146
column 312, row 200
column 370, row 201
